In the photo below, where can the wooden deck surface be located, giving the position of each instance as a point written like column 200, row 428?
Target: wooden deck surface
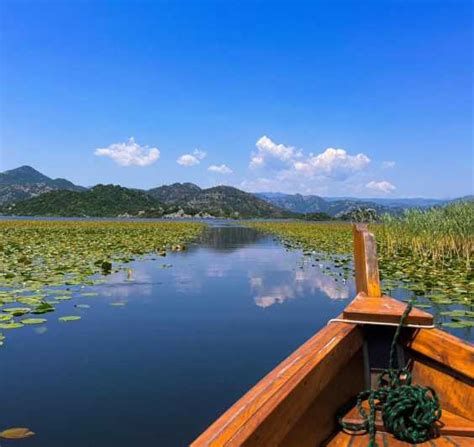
column 449, row 425
column 384, row 439
column 383, row 310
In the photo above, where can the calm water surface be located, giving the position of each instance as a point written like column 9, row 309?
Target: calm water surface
column 191, row 339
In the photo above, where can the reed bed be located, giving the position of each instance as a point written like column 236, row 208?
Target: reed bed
column 437, row 235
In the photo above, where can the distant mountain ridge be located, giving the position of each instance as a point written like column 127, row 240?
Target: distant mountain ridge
column 218, row 200
column 315, row 204
column 415, row 202
column 26, row 182
column 339, row 206
column 175, row 193
column 26, row 191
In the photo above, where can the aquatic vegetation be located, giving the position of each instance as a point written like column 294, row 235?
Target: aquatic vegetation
column 33, row 321
column 11, row 325
column 45, row 263
column 67, row 318
column 431, row 253
column 16, row 433
column 437, row 234
column 428, row 253
column 118, row 303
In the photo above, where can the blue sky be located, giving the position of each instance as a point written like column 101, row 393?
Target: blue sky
column 335, row 98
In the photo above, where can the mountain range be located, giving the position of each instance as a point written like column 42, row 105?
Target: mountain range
column 25, row 182
column 25, row 191
column 42, row 196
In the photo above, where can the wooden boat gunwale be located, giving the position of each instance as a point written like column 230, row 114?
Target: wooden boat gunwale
column 295, row 403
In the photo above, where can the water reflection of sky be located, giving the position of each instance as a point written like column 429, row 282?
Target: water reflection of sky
column 274, row 276
column 291, row 285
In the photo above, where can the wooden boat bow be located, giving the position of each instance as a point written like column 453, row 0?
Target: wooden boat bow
column 296, row 404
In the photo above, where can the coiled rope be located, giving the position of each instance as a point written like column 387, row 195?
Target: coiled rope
column 408, row 411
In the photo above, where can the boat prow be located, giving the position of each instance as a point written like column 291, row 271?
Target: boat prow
column 297, row 404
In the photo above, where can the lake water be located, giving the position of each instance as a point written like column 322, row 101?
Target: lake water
column 197, row 330
column 191, row 339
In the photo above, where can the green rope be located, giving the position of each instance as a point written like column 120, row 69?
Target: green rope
column 408, row 411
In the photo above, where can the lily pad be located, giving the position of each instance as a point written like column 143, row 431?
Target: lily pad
column 43, row 308
column 69, row 318
column 34, row 321
column 13, row 325
column 458, row 313
column 17, row 311
column 456, row 325
column 16, row 433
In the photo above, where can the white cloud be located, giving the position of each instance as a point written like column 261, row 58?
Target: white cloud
column 334, row 163
column 291, row 163
column 191, row 159
column 256, row 161
column 129, row 153
column 382, row 186
column 220, row 169
column 268, row 151
column 388, row 164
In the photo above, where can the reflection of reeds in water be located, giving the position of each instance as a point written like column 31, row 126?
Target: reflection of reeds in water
column 436, row 234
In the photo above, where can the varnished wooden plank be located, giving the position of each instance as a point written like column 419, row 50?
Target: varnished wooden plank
column 456, row 394
column 365, row 262
column 450, row 441
column 458, row 441
column 387, row 440
column 450, row 423
column 319, row 421
column 384, row 310
column 444, row 348
column 343, row 439
column 269, row 410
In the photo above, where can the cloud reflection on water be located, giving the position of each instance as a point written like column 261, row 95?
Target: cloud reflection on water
column 274, row 275
column 123, row 285
column 304, row 281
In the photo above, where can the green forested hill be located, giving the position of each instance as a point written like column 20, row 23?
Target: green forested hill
column 113, row 201
column 99, row 201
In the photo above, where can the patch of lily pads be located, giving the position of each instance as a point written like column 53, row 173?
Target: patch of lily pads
column 46, row 263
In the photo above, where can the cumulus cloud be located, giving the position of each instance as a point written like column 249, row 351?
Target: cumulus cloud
column 129, row 153
column 382, row 186
column 268, row 151
column 334, row 163
column 388, row 164
column 220, row 169
column 191, row 159
column 290, row 162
